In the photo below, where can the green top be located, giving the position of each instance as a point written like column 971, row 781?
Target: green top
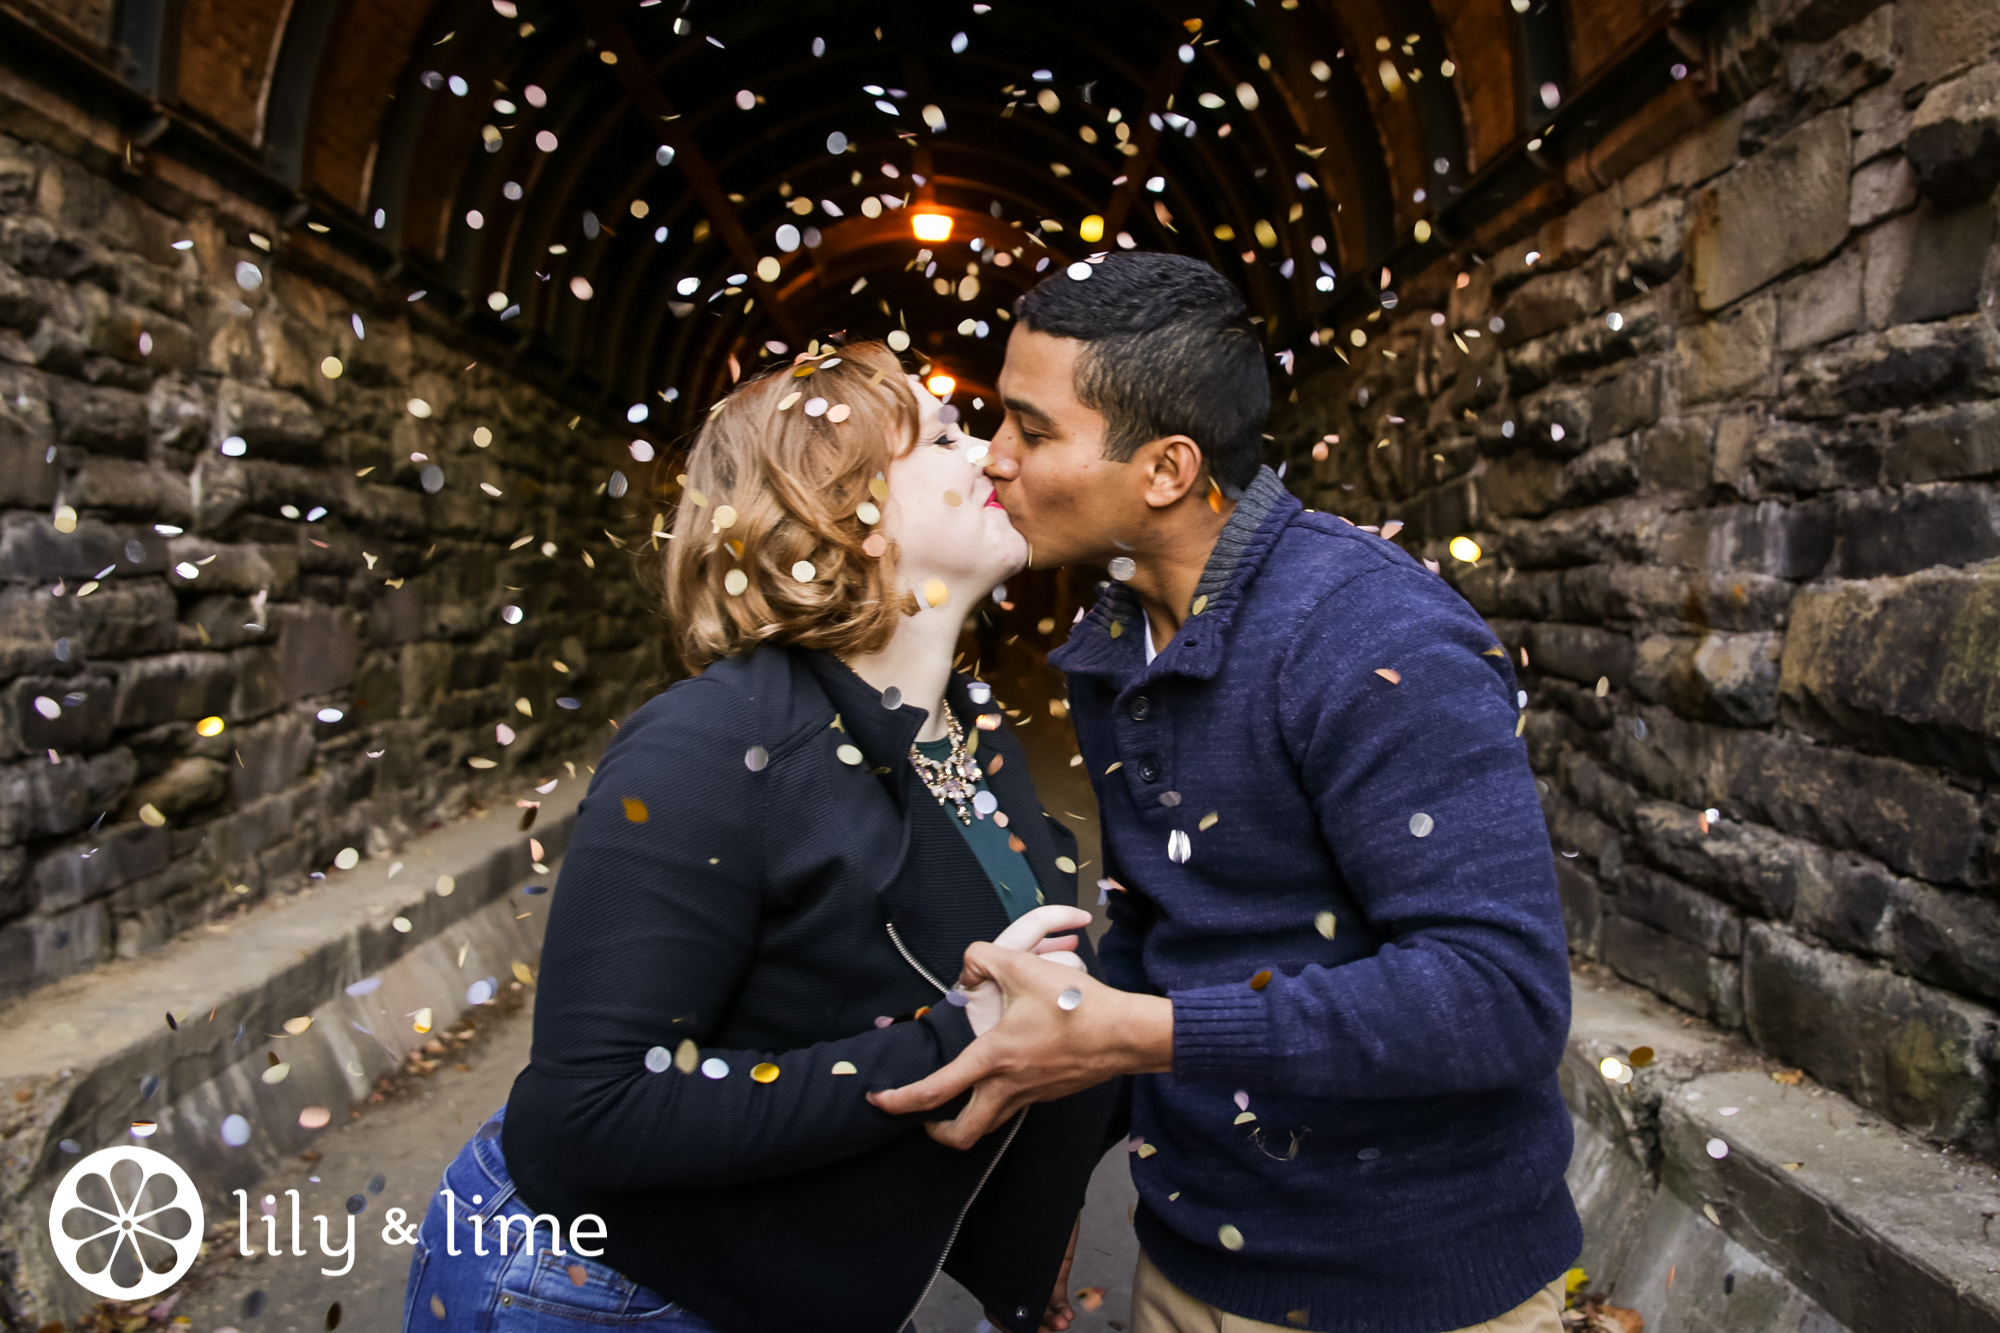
column 1013, row 879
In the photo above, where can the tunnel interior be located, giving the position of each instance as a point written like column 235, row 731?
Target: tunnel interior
column 348, row 348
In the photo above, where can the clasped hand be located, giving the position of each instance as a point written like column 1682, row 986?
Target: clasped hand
column 1030, row 1046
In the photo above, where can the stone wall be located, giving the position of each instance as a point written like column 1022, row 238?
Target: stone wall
column 203, row 517
column 1726, row 433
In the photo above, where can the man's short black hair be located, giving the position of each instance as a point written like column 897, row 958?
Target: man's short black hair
column 1170, row 350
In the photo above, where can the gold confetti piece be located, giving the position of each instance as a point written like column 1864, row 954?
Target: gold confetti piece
column 1261, row 980
column 1117, row 628
column 1200, row 605
column 149, row 814
column 636, row 811
column 1390, row 674
column 423, row 1020
column 1789, row 1077
column 921, row 1012
column 844, row 1067
column 523, row 973
column 437, row 1305
column 523, row 707
column 1208, row 821
column 209, row 726
column 954, row 499
column 735, row 548
column 786, row 403
column 1146, row 1150
column 1114, row 768
column 935, row 592
column 725, row 517
column 734, row 582
column 278, row 1072
column 1603, row 686
column 802, row 371
column 1325, row 923
column 1708, row 1211
column 1791, row 1166
column 765, row 1072
column 578, row 1275
column 687, row 1056
column 477, row 762
column 1231, row 1238
column 1090, row 1298
column 1244, row 1117
column 878, row 488
column 297, row 1026
column 1064, row 864
column 1641, row 1056
column 1495, row 651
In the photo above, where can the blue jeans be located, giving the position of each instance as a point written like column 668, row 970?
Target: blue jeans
column 531, row 1289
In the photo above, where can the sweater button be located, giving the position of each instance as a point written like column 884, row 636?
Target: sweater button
column 1148, row 771
column 506, row 1298
column 1140, row 706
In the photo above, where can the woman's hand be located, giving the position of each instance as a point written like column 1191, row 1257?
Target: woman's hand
column 1028, row 934
column 1059, row 1315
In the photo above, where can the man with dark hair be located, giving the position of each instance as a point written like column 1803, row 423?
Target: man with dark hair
column 1336, row 957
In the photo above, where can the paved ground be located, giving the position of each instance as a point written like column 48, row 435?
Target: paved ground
column 406, row 1143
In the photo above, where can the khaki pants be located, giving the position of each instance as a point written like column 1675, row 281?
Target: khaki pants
column 1158, row 1306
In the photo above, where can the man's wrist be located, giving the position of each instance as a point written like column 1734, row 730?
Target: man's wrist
column 1146, row 1034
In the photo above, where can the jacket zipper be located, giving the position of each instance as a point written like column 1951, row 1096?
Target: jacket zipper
column 1019, row 1116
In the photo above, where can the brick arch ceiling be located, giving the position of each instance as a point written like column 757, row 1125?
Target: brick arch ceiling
column 1292, row 140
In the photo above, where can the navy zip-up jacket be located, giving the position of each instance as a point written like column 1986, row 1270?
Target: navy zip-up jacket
column 1333, row 862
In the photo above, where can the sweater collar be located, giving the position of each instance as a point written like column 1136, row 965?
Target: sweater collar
column 1110, row 640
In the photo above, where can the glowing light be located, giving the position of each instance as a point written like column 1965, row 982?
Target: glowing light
column 931, row 226
column 941, row 385
column 1464, row 548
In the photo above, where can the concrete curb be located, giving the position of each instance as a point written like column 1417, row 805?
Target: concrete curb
column 78, row 1053
column 1817, row 1216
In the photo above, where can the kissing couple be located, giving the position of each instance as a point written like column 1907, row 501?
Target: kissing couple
column 817, row 1016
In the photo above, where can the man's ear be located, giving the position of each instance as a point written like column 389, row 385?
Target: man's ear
column 1172, row 467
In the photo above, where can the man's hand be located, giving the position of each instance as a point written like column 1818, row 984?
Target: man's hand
column 1038, row 1051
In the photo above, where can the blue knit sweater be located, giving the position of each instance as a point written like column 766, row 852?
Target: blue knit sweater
column 1333, row 862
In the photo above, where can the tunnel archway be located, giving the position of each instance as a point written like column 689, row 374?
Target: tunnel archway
column 491, row 155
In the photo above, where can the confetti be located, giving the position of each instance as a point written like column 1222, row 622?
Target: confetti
column 1231, row 1238
column 1208, row 821
column 1069, row 999
column 150, row 815
column 935, row 592
column 838, row 413
column 315, row 1117
column 843, row 1067
column 437, row 1305
column 423, row 1021
column 1063, row 863
column 848, row 754
column 208, row 726
column 1123, row 567
column 659, row 1059
column 876, row 546
column 235, row 1130
column 1325, row 924
column 1390, row 674
column 297, row 1026
column 1717, row 1149
column 765, row 1072
column 1421, row 825
column 687, row 1056
column 1641, row 1056
column 1178, row 848
column 756, row 758
column 715, row 1067
column 734, row 582
column 804, row 572
column 346, row 858
column 635, row 810
column 1261, row 980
